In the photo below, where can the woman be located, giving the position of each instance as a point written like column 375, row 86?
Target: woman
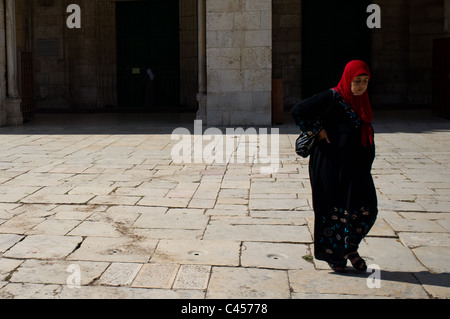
column 344, row 195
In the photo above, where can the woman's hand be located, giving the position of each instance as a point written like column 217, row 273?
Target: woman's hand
column 323, row 136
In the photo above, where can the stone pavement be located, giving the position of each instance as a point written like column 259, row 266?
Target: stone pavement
column 93, row 206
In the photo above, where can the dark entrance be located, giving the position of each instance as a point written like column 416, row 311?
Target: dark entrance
column 441, row 77
column 334, row 33
column 148, row 37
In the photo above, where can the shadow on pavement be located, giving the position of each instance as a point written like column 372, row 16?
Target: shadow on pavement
column 385, row 121
column 420, row 278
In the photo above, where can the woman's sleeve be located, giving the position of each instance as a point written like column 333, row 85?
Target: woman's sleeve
column 309, row 112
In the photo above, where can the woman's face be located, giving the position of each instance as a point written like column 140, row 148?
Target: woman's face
column 360, row 84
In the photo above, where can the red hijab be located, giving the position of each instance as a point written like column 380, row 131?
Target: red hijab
column 360, row 104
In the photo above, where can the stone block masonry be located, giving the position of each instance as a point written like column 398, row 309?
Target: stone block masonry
column 2, row 65
column 239, row 67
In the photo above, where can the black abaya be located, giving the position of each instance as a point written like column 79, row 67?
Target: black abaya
column 343, row 191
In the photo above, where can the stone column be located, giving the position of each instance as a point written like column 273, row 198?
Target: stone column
column 13, row 101
column 2, row 65
column 202, row 82
column 239, row 62
column 11, row 55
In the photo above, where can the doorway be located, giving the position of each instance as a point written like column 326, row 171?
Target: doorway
column 148, row 38
column 441, row 77
column 334, row 33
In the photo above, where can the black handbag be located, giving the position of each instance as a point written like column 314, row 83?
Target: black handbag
column 304, row 144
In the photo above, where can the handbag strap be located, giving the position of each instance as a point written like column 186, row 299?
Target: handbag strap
column 354, row 117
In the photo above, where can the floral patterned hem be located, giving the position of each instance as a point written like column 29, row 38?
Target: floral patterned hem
column 340, row 232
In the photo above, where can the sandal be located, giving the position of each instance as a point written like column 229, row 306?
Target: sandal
column 357, row 262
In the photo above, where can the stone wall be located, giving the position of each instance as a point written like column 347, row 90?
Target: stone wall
column 76, row 68
column 447, row 16
column 239, row 62
column 82, row 73
column 249, row 42
column 427, row 22
column 402, row 50
column 51, row 61
column 390, row 44
column 2, row 65
column 188, row 52
column 287, row 47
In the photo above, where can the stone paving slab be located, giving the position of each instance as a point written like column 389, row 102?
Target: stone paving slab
column 110, row 202
column 173, row 220
column 390, row 254
column 8, row 240
column 199, row 252
column 275, row 255
column 120, row 274
column 264, row 233
column 248, row 283
column 55, row 272
column 43, row 247
column 154, row 275
column 313, row 282
column 112, row 249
